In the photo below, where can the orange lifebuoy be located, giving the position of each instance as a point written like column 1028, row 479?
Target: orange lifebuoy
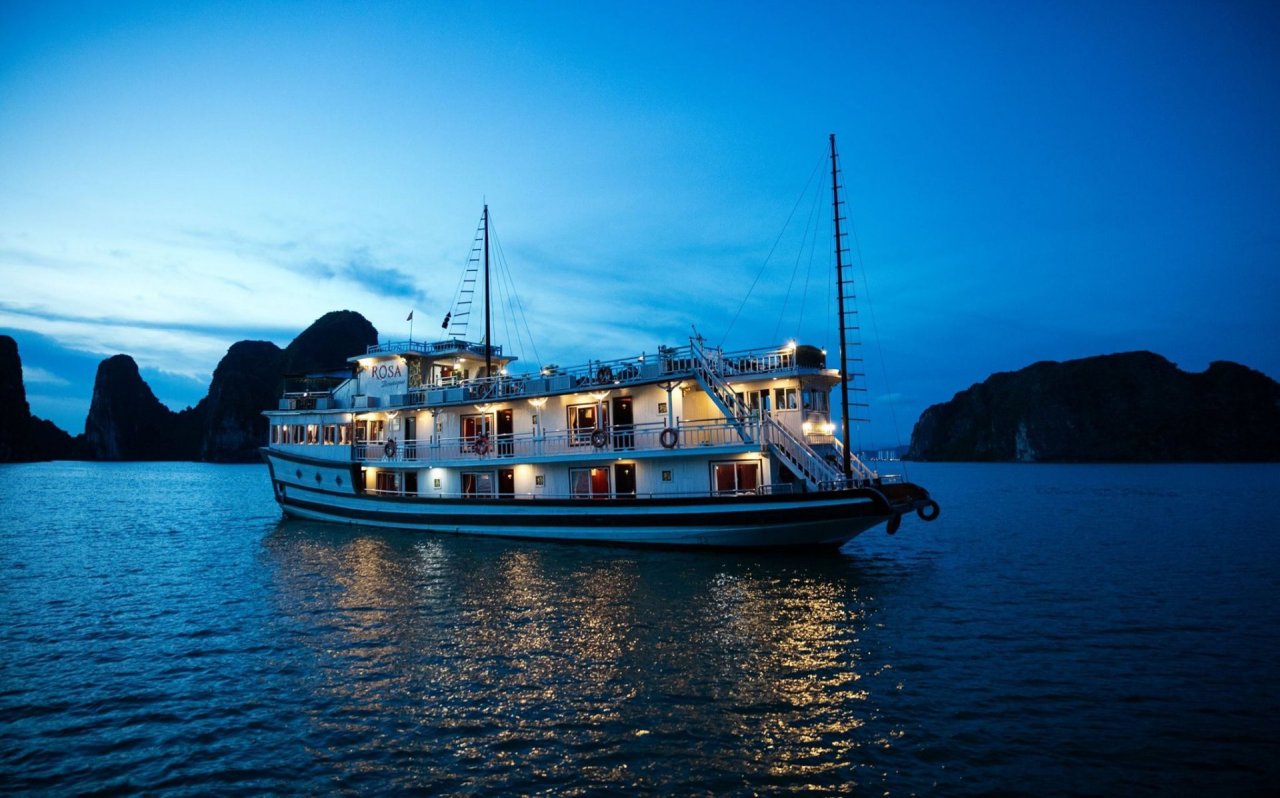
column 389, row 448
column 599, row 438
column 481, row 445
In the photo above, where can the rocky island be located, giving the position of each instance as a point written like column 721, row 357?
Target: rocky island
column 127, row 422
column 1129, row 407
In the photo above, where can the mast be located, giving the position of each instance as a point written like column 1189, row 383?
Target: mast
column 844, row 362
column 488, row 344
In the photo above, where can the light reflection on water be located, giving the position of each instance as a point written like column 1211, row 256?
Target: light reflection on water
column 604, row 666
column 1087, row 630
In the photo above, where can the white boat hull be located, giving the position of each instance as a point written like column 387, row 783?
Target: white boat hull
column 802, row 520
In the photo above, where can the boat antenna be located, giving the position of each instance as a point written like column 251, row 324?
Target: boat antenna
column 844, row 363
column 488, row 346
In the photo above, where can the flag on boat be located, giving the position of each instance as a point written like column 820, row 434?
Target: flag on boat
column 447, row 316
column 410, row 318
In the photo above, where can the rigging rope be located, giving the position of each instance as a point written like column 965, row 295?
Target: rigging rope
column 778, row 240
column 875, row 331
column 514, row 305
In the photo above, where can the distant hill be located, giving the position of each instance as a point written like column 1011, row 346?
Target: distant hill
column 24, row 437
column 127, row 422
column 1130, row 407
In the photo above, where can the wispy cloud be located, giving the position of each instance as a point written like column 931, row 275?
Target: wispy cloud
column 39, row 376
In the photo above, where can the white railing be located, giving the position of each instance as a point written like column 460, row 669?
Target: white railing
column 762, row 490
column 668, row 363
column 706, row 369
column 816, row 471
column 647, row 437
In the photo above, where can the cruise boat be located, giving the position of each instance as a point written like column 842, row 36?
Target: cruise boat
column 687, row 445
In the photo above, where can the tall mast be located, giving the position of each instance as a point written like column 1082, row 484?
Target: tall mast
column 844, row 362
column 488, row 343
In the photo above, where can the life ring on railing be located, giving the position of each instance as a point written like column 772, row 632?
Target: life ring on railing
column 599, row 438
column 669, row 438
column 604, row 374
column 481, row 445
column 389, row 448
column 932, row 507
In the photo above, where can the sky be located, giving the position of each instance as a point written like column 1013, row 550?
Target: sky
column 1026, row 181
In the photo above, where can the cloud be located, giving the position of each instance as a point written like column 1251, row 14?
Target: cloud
column 37, row 375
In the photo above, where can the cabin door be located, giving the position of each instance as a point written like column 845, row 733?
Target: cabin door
column 410, row 437
column 506, row 431
column 624, row 436
column 506, row 481
column 624, row 480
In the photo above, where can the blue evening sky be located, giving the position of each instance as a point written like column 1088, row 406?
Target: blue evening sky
column 1028, row 181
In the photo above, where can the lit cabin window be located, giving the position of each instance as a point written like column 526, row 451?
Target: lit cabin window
column 582, row 422
column 589, row 483
column 313, row 433
column 732, row 478
column 478, row 484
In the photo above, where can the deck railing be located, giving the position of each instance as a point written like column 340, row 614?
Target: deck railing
column 675, row 362
column 761, row 490
column 612, row 441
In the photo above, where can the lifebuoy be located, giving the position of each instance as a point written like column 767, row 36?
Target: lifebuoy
column 669, row 438
column 599, row 438
column 604, row 374
column 389, row 448
column 481, row 445
column 933, row 510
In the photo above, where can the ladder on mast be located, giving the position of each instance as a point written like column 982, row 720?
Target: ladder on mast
column 848, row 321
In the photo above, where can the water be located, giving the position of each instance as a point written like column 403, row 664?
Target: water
column 1098, row 630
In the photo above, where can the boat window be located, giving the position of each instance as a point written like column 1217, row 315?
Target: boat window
column 589, row 483
column 475, row 428
column 582, row 422
column 478, row 484
column 344, row 435
column 756, row 401
column 330, row 434
column 815, row 399
column 377, row 428
column 735, row 477
column 313, row 433
column 295, row 433
column 386, row 482
column 785, row 399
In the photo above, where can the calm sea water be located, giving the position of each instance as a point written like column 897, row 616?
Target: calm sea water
column 1105, row 630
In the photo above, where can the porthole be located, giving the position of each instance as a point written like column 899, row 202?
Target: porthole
column 298, row 473
column 338, row 479
column 317, row 477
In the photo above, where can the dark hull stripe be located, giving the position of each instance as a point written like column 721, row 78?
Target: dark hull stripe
column 528, row 513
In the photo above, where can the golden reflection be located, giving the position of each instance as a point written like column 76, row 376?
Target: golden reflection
column 515, row 653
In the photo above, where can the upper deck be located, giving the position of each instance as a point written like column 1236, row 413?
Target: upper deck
column 440, row 377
